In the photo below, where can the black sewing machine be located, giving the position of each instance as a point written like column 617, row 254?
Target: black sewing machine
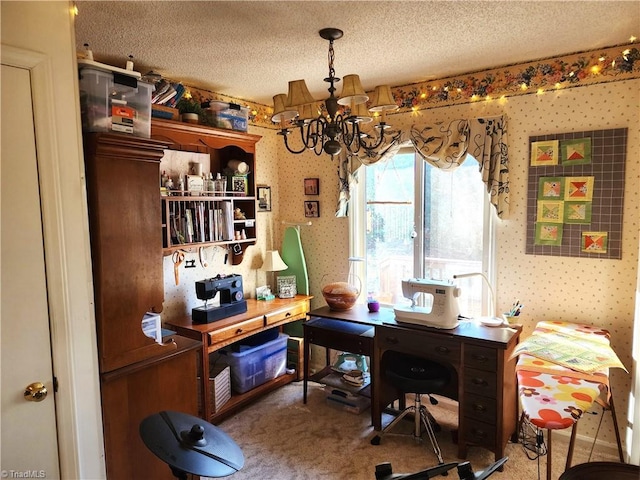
column 232, row 299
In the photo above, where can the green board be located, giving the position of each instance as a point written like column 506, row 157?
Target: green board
column 293, row 256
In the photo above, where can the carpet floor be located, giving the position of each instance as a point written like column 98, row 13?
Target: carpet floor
column 284, row 439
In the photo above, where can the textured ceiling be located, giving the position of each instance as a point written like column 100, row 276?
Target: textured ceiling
column 251, row 49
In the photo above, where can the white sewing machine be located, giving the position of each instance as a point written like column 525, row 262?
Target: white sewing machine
column 444, row 310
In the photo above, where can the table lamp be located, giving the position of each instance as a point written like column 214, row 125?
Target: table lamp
column 273, row 263
column 491, row 320
column 189, row 445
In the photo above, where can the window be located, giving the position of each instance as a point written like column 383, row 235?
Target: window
column 411, row 219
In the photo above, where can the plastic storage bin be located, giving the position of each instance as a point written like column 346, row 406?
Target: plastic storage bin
column 227, row 115
column 253, row 366
column 114, row 102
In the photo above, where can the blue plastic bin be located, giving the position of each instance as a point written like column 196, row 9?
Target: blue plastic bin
column 254, row 366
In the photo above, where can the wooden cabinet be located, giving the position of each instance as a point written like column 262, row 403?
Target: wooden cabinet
column 138, row 377
column 260, row 316
column 126, row 245
column 222, row 146
column 483, row 377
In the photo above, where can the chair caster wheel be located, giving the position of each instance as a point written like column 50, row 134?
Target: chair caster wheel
column 376, row 440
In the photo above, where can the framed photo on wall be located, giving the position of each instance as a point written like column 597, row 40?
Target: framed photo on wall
column 264, row 198
column 311, row 209
column 311, row 186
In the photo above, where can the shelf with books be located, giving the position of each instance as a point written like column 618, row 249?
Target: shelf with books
column 195, row 221
column 196, row 217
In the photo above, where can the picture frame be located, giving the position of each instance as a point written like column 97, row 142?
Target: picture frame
column 287, row 286
column 312, row 186
column 264, row 198
column 311, row 209
column 238, row 185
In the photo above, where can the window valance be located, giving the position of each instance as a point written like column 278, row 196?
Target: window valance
column 446, row 147
column 485, row 139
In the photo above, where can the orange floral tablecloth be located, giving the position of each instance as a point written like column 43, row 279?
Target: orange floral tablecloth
column 552, row 395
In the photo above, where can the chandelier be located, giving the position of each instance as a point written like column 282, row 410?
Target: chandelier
column 344, row 120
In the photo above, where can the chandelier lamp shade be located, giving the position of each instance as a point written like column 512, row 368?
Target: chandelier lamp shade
column 341, row 122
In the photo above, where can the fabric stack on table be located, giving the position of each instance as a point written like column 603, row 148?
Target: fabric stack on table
column 562, row 369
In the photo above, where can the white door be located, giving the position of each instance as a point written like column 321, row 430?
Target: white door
column 29, row 442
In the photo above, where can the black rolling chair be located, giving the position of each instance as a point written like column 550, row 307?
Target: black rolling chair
column 419, row 376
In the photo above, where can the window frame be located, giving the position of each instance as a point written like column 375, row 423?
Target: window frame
column 357, row 229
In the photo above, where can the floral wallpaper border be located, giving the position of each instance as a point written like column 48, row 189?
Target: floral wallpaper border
column 598, row 66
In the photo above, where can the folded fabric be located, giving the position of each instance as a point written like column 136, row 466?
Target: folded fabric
column 572, row 346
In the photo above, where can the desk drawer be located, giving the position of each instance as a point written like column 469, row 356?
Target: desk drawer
column 297, row 311
column 480, row 382
column 423, row 344
column 482, row 358
column 480, row 433
column 238, row 329
column 480, row 408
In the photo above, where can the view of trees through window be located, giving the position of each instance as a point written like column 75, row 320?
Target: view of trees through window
column 452, row 230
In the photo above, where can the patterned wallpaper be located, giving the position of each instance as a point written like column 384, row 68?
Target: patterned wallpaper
column 579, row 69
column 594, row 291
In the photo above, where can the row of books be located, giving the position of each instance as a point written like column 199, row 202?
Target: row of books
column 201, row 222
column 167, row 93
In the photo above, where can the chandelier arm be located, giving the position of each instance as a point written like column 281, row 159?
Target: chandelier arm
column 381, row 139
column 350, row 136
column 284, row 132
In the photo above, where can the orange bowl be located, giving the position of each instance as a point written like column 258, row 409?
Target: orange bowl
column 340, row 295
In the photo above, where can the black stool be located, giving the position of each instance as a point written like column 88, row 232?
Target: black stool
column 419, row 376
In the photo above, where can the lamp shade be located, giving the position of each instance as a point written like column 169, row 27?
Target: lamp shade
column 361, row 112
column 298, row 94
column 382, row 99
column 280, row 112
column 352, row 91
column 273, row 262
column 308, row 112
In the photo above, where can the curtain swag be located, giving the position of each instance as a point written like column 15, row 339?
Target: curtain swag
column 485, row 139
column 446, row 147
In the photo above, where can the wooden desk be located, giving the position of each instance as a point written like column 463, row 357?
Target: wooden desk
column 260, row 316
column 484, row 379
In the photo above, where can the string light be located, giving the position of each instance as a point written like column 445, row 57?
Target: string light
column 524, row 86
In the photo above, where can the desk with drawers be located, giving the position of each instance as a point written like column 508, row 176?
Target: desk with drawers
column 484, row 378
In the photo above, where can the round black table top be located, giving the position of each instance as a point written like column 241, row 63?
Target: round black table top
column 191, row 445
column 600, row 470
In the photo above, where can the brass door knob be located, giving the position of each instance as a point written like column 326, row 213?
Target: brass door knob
column 35, row 392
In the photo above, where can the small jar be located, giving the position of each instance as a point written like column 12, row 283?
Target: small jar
column 373, row 305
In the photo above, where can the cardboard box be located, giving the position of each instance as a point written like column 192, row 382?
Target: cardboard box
column 162, row 111
column 295, row 356
column 219, row 386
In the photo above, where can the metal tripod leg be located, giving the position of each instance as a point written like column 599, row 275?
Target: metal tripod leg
column 424, row 415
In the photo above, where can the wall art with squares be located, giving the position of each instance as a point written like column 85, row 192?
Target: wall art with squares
column 575, row 194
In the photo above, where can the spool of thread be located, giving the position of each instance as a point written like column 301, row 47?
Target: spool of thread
column 130, row 63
